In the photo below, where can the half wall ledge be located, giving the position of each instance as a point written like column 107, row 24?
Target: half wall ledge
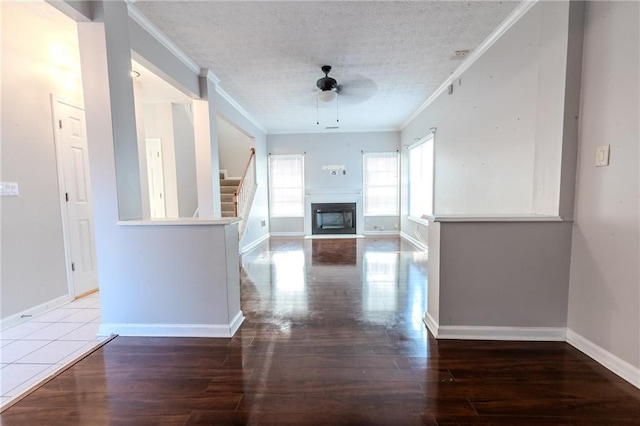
column 171, row 277
column 495, row 218
column 186, row 221
column 498, row 277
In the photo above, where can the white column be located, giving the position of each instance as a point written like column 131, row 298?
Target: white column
column 142, row 150
column 105, row 57
column 207, row 163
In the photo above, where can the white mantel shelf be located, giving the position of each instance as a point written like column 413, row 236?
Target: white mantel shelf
column 186, row 221
column 310, row 192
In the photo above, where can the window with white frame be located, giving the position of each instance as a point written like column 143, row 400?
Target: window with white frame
column 286, row 185
column 421, row 178
column 380, row 181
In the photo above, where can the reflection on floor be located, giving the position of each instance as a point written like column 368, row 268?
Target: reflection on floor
column 34, row 350
column 332, row 335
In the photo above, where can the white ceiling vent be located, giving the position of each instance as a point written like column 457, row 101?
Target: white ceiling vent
column 460, row 54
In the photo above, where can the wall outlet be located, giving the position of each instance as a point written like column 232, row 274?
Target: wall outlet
column 263, row 223
column 602, row 156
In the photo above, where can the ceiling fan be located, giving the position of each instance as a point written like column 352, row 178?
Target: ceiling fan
column 328, row 86
column 356, row 90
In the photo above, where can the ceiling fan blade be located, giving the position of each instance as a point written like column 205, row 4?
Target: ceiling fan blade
column 357, row 90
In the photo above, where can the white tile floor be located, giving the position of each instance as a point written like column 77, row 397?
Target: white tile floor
column 34, row 350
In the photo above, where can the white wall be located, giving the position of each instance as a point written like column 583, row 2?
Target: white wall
column 323, row 149
column 333, row 148
column 185, row 145
column 506, row 106
column 176, row 280
column 233, row 148
column 504, row 274
column 604, row 298
column 35, row 64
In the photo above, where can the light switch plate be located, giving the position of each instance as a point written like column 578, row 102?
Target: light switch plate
column 9, row 189
column 602, row 156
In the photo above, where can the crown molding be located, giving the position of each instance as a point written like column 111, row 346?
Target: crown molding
column 224, row 95
column 155, row 32
column 209, row 75
column 144, row 22
column 336, row 131
column 514, row 17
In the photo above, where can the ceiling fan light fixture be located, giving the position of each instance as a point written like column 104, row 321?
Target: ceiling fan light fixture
column 327, row 95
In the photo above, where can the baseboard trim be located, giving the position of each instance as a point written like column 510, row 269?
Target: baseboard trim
column 417, row 244
column 29, row 313
column 547, row 334
column 254, row 244
column 612, row 362
column 171, row 330
column 382, row 233
column 287, row 234
column 332, row 236
column 431, row 323
column 236, row 322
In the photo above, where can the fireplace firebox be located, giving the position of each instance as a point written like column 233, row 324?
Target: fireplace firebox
column 333, row 218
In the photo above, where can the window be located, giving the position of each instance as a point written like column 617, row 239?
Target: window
column 286, row 185
column 380, row 183
column 421, row 178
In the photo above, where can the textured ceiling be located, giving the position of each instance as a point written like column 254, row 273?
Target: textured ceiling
column 387, row 56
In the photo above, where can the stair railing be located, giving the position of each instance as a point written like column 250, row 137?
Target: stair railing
column 243, row 197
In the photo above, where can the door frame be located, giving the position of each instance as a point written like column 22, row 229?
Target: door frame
column 149, row 183
column 55, row 100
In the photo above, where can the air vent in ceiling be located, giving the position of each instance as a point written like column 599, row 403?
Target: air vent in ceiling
column 460, row 54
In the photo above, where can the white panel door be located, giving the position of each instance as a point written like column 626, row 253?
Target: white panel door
column 72, row 141
column 156, row 178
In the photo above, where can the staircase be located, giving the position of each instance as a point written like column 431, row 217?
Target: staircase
column 236, row 195
column 228, row 188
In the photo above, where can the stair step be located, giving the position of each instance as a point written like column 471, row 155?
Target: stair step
column 226, row 198
column 228, row 189
column 229, row 182
column 228, row 214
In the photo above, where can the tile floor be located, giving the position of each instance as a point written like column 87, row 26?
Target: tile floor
column 34, row 350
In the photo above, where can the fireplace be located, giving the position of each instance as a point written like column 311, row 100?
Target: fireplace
column 333, row 218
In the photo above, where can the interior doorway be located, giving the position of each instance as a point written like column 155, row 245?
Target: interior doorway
column 75, row 196
column 156, row 178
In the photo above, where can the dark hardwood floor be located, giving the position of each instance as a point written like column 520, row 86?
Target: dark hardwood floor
column 333, row 335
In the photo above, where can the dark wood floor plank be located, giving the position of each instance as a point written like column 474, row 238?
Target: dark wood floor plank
column 351, row 418
column 333, row 335
column 373, row 405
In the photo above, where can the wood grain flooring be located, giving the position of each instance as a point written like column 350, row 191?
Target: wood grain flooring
column 333, row 335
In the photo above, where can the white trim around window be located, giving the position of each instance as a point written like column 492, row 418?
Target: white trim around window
column 421, row 158
column 286, row 185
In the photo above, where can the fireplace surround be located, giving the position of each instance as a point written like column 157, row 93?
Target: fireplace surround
column 333, row 218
